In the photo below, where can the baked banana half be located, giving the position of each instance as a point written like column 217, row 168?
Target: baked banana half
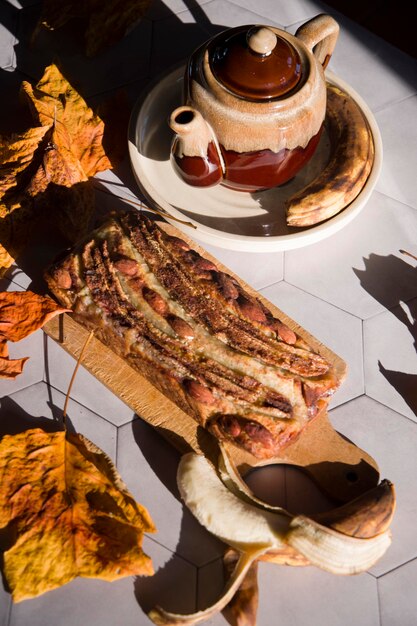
column 350, row 164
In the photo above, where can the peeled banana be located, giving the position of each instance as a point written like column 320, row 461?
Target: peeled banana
column 350, row 164
column 258, row 532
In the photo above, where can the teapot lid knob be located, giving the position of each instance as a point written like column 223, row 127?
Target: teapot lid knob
column 261, row 40
column 255, row 62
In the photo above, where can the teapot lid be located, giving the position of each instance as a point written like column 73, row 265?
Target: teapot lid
column 254, row 62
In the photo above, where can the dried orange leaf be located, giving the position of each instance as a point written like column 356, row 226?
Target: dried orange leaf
column 16, row 155
column 10, row 368
column 24, row 312
column 66, row 513
column 45, row 172
column 76, row 128
column 21, row 313
column 6, row 259
column 62, row 192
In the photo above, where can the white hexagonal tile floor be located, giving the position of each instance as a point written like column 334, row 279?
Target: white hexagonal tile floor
column 396, row 178
column 41, row 405
column 310, row 312
column 256, row 270
column 361, row 269
column 393, row 72
column 397, row 597
column 390, row 358
column 287, row 13
column 5, row 604
column 300, row 595
column 8, row 25
column 86, row 389
column 174, row 38
column 355, row 291
column 154, row 485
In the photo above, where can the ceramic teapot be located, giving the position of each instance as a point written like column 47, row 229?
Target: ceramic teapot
column 255, row 103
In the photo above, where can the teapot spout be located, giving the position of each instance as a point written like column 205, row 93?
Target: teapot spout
column 195, row 155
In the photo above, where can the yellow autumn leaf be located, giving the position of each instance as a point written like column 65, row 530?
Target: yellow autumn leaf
column 66, row 512
column 55, row 103
column 45, row 172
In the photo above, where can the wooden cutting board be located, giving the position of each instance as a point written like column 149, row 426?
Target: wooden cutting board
column 340, row 468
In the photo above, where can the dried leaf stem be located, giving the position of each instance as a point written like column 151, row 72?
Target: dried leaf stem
column 83, row 350
column 409, row 254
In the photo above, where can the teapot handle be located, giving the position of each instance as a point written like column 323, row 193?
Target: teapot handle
column 320, row 35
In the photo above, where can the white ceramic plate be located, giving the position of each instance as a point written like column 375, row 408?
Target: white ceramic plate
column 225, row 218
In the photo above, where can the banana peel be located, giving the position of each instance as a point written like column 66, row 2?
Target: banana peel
column 257, row 531
column 349, row 167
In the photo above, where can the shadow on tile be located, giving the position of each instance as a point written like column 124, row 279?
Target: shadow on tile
column 383, row 53
column 150, row 46
column 167, row 588
column 192, row 538
column 379, row 16
column 405, row 385
column 14, row 419
column 385, row 279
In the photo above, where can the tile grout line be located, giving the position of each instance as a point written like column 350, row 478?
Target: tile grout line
column 342, row 404
column 9, row 616
column 280, row 24
column 397, row 567
column 32, row 384
column 367, row 395
column 384, row 107
column 382, row 193
column 197, row 588
column 116, row 450
column 260, row 289
column 378, row 595
column 177, row 554
column 94, row 412
column 385, row 309
column 391, row 409
column 336, row 306
column 363, row 355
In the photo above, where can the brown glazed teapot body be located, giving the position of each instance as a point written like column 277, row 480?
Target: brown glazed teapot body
column 255, row 102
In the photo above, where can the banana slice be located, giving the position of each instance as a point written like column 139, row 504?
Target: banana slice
column 348, row 169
